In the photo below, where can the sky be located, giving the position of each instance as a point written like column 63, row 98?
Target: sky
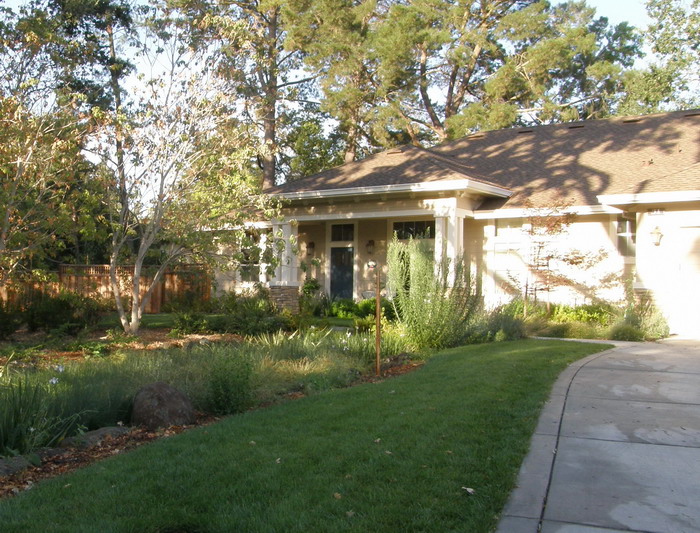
column 632, row 11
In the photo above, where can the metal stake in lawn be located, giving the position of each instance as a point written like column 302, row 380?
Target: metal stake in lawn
column 372, row 264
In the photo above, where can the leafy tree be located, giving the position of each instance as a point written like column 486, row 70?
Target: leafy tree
column 674, row 37
column 246, row 44
column 179, row 163
column 429, row 70
column 336, row 38
column 41, row 166
column 309, row 148
column 37, row 155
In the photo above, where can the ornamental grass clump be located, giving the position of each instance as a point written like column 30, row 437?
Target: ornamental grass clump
column 29, row 418
column 434, row 301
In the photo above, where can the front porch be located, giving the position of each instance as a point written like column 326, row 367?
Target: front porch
column 335, row 249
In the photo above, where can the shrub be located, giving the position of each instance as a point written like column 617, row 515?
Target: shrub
column 497, row 325
column 66, row 312
column 10, row 320
column 230, row 386
column 189, row 322
column 366, row 308
column 592, row 313
column 624, row 331
column 434, row 303
column 646, row 317
column 344, row 308
column 248, row 314
column 313, row 302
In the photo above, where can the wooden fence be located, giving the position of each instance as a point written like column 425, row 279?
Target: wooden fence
column 180, row 285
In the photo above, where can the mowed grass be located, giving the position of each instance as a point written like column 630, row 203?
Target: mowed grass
column 397, row 455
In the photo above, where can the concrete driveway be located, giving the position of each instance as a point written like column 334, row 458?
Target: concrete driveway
column 617, row 447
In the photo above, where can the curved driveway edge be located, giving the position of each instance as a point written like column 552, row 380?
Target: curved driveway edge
column 617, row 446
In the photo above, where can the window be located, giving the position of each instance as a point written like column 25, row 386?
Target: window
column 627, row 234
column 251, row 256
column 343, row 232
column 509, row 227
column 415, row 229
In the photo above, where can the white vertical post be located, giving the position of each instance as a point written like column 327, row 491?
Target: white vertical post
column 454, row 242
column 276, row 235
column 291, row 239
column 440, row 238
column 262, row 247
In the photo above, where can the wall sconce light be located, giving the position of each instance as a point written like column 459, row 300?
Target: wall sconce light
column 370, row 247
column 310, row 248
column 656, row 236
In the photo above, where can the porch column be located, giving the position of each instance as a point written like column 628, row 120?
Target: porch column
column 262, row 248
column 454, row 242
column 284, row 289
column 286, row 272
column 440, row 239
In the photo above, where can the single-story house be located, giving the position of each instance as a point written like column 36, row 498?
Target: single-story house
column 626, row 192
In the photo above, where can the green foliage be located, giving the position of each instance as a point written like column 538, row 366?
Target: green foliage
column 601, row 314
column 643, row 314
column 434, row 303
column 367, row 308
column 567, row 330
column 65, row 313
column 10, row 320
column 626, row 332
column 29, row 418
column 344, row 308
column 247, row 314
column 278, row 469
column 230, row 386
column 497, row 325
column 189, row 322
column 312, row 301
column 310, row 287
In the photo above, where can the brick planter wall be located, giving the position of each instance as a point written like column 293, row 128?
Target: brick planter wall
column 286, row 298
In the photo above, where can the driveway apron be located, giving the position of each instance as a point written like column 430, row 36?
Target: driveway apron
column 617, row 447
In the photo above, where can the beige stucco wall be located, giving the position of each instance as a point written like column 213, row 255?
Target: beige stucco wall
column 671, row 270
column 509, row 255
column 316, row 233
column 365, row 279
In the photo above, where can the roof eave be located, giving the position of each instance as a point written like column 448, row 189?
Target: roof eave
column 434, row 186
column 649, row 198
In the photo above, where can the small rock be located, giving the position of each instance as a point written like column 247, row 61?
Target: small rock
column 13, row 465
column 93, row 438
column 160, row 405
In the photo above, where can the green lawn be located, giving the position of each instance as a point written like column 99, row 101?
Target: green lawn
column 391, row 456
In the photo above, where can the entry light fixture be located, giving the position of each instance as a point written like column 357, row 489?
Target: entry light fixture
column 370, row 247
column 656, row 236
column 310, row 248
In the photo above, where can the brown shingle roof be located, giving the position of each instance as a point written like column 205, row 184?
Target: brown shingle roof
column 575, row 162
column 569, row 163
column 396, row 166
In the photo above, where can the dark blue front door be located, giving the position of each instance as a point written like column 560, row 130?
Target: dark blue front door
column 341, row 272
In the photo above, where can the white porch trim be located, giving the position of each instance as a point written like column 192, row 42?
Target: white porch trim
column 430, row 186
column 287, row 271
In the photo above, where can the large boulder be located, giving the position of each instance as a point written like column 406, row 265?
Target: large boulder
column 160, row 405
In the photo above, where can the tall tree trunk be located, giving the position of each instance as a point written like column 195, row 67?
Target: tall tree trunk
column 119, row 233
column 269, row 105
